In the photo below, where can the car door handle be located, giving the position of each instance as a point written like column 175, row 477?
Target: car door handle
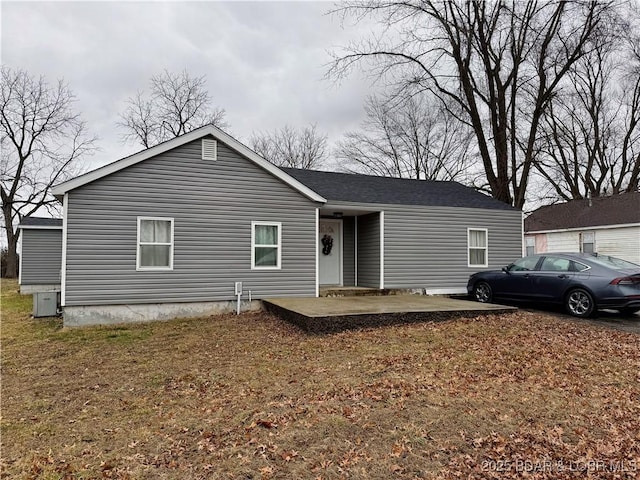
column 526, row 275
column 563, row 276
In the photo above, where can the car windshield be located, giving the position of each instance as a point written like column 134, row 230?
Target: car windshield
column 524, row 264
column 612, row 262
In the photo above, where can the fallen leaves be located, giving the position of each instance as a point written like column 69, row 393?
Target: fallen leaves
column 525, row 395
column 266, row 424
column 289, row 455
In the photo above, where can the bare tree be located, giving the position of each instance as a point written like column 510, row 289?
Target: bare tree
column 499, row 62
column 176, row 104
column 590, row 142
column 288, row 147
column 630, row 150
column 42, row 139
column 416, row 138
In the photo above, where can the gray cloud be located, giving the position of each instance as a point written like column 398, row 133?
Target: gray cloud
column 264, row 61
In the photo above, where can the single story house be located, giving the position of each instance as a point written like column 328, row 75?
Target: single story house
column 605, row 225
column 169, row 231
column 40, row 254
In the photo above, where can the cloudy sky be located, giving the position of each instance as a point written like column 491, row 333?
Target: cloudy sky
column 264, row 61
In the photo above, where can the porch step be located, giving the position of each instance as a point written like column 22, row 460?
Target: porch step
column 359, row 292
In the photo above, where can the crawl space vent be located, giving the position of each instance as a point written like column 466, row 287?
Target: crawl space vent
column 209, row 149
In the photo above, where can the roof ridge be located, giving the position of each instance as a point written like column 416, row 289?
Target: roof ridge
column 380, row 190
column 369, row 175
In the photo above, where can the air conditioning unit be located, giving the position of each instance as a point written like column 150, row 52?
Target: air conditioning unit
column 45, row 304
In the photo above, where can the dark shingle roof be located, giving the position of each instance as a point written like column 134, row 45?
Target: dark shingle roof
column 40, row 222
column 615, row 210
column 347, row 187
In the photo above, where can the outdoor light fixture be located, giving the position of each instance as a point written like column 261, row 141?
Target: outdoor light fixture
column 337, row 214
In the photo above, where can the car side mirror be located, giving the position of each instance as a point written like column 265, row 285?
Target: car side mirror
column 506, row 270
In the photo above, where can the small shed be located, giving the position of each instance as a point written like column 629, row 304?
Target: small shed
column 40, row 255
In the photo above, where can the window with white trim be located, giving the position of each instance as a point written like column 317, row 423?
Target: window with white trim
column 266, row 245
column 478, row 249
column 155, row 243
column 530, row 245
column 587, row 242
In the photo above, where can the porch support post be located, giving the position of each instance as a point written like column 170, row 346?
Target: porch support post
column 317, row 235
column 355, row 250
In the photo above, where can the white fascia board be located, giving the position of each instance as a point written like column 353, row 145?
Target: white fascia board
column 382, row 249
column 358, row 208
column 218, row 134
column 580, row 229
column 523, row 247
column 19, row 261
column 63, row 266
column 39, row 227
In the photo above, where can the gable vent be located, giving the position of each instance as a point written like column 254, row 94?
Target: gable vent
column 209, row 149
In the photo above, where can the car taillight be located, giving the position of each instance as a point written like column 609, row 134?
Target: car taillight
column 625, row 281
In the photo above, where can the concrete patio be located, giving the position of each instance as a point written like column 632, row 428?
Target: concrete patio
column 331, row 314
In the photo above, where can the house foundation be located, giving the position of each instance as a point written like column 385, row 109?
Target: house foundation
column 81, row 316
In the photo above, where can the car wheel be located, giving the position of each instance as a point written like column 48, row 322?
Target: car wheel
column 482, row 292
column 579, row 303
column 628, row 311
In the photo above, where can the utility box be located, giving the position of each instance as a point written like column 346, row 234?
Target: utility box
column 45, row 304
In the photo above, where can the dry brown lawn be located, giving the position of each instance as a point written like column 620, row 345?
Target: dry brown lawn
column 253, row 397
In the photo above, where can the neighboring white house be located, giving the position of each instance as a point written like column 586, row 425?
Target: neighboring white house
column 604, row 225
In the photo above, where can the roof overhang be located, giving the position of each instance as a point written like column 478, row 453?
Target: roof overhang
column 353, row 206
column 59, row 190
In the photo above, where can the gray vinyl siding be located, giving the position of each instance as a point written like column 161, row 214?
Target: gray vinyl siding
column 213, row 204
column 426, row 247
column 369, row 250
column 348, row 258
column 41, row 256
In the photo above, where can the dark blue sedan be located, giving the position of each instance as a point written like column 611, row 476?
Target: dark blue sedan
column 582, row 282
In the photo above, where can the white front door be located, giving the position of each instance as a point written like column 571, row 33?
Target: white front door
column 330, row 252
